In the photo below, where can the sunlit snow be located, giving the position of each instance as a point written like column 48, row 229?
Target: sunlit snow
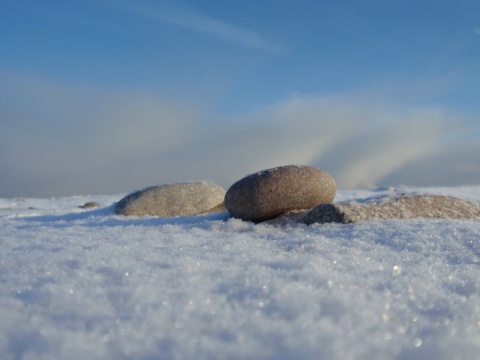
column 88, row 284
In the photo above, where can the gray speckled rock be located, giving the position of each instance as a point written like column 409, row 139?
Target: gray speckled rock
column 181, row 199
column 409, row 206
column 269, row 193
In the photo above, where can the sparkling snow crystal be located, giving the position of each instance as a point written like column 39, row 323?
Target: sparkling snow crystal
column 88, row 284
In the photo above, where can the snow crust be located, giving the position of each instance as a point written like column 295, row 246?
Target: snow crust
column 88, row 284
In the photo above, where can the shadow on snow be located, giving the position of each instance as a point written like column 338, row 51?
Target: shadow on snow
column 106, row 217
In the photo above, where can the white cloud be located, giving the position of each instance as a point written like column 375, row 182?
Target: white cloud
column 454, row 163
column 357, row 139
column 62, row 140
column 143, row 124
column 188, row 18
column 387, row 142
column 59, row 140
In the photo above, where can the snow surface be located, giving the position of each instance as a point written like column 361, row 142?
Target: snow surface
column 88, row 284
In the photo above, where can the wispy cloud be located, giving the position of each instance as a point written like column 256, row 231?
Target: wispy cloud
column 476, row 30
column 188, row 18
column 357, row 138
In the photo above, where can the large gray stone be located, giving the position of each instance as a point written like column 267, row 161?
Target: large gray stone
column 409, row 206
column 181, row 199
column 269, row 193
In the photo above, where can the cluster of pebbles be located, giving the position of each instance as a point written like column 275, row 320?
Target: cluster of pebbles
column 286, row 194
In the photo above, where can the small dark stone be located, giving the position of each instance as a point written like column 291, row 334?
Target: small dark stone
column 89, row 205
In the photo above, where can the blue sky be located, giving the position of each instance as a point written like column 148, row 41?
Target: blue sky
column 104, row 96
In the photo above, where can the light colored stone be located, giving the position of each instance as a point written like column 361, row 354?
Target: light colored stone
column 269, row 193
column 180, row 199
column 409, row 206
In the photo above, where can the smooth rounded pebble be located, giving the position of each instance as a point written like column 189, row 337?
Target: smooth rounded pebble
column 269, row 193
column 180, row 199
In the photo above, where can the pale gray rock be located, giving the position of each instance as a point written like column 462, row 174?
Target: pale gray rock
column 410, row 206
column 269, row 193
column 180, row 199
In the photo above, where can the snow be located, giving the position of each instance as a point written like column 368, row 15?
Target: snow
column 88, row 284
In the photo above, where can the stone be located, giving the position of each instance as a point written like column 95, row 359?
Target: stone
column 269, row 193
column 404, row 206
column 180, row 199
column 89, row 205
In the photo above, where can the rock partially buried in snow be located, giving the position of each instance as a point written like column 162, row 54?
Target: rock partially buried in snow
column 269, row 193
column 410, row 206
column 180, row 199
column 89, row 205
